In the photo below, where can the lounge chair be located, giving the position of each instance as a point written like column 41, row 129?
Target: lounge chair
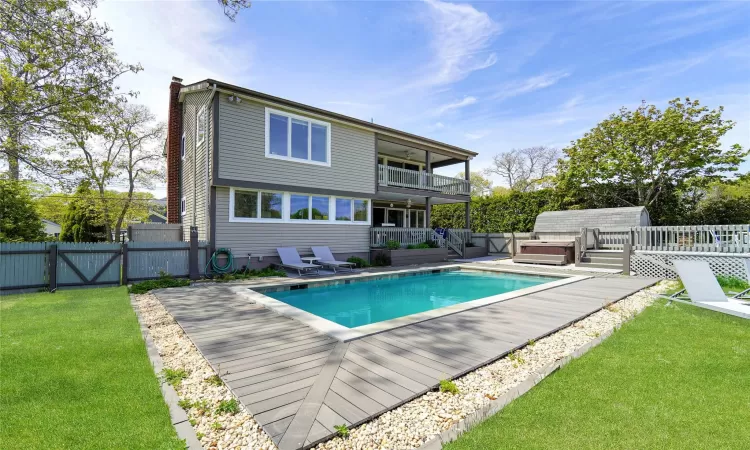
column 327, row 259
column 290, row 259
column 745, row 295
column 703, row 290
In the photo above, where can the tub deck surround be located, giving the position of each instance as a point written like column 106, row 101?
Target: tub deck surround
column 298, row 382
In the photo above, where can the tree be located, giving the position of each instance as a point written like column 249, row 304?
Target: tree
column 82, row 222
column 57, row 69
column 19, row 221
column 124, row 150
column 233, row 7
column 650, row 153
column 479, row 185
column 525, row 169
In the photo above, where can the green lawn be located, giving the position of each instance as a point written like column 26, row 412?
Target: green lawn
column 75, row 374
column 674, row 377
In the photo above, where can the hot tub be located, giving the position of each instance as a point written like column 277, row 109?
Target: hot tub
column 566, row 248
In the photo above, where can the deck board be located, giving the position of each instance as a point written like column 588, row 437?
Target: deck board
column 298, row 383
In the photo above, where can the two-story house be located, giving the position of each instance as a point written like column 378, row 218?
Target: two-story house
column 254, row 172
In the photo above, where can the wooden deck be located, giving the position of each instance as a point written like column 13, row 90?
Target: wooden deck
column 299, row 383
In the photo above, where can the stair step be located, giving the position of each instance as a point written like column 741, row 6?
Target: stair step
column 605, row 253
column 599, row 265
column 601, row 259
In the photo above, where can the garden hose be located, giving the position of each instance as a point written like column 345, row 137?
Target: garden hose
column 213, row 262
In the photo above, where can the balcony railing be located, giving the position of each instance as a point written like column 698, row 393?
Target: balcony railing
column 414, row 179
column 379, row 236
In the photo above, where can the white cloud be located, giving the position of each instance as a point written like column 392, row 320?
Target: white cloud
column 461, row 36
column 573, row 102
column 476, row 135
column 456, row 105
column 532, row 84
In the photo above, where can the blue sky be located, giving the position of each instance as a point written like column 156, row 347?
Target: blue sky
column 487, row 76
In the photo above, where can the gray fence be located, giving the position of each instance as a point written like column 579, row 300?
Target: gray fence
column 501, row 243
column 155, row 232
column 53, row 265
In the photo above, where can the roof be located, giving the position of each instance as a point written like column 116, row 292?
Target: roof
column 323, row 112
column 574, row 220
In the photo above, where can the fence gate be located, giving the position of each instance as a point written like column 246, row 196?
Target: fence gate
column 86, row 264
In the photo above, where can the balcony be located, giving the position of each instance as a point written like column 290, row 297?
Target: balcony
column 414, row 179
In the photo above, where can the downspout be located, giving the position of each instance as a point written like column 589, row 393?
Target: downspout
column 207, row 210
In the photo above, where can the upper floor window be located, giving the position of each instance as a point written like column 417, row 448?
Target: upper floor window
column 200, row 126
column 297, row 138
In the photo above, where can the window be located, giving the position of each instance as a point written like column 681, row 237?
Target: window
column 252, row 205
column 182, row 147
column 297, row 138
column 183, row 206
column 200, row 126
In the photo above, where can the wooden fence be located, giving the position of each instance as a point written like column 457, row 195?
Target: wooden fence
column 53, row 265
column 501, row 243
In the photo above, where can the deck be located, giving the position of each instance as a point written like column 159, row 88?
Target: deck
column 299, row 383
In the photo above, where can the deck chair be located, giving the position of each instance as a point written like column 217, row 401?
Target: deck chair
column 703, row 290
column 327, row 259
column 745, row 295
column 290, row 259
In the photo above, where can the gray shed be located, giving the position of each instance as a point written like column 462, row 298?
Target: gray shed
column 562, row 225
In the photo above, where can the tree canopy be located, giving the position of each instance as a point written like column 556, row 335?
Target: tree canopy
column 19, row 221
column 82, row 222
column 635, row 157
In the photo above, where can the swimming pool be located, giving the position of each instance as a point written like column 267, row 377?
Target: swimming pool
column 365, row 302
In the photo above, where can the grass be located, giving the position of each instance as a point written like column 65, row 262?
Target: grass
column 448, row 386
column 75, row 374
column 674, row 377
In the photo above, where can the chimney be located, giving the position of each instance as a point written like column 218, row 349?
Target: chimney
column 174, row 142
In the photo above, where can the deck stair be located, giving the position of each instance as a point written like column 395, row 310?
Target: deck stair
column 602, row 259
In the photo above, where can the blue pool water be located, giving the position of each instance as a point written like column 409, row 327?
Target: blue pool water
column 365, row 302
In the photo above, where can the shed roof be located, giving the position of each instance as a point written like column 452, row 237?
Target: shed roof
column 574, row 220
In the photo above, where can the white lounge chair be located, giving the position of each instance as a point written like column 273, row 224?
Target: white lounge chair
column 704, row 291
column 745, row 295
column 326, row 259
column 290, row 258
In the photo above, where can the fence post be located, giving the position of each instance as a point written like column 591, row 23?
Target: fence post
column 512, row 244
column 626, row 248
column 52, row 267
column 193, row 254
column 487, row 242
column 578, row 250
column 124, row 279
column 130, row 232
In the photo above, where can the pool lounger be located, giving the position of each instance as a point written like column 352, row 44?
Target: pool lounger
column 327, row 259
column 290, row 259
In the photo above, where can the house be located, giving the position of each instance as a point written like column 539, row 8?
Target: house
column 254, row 172
column 51, row 228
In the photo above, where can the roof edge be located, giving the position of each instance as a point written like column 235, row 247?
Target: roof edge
column 341, row 117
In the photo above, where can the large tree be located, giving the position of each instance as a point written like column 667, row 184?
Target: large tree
column 479, row 185
column 57, row 69
column 82, row 221
column 525, row 169
column 19, row 220
column 635, row 157
column 125, row 150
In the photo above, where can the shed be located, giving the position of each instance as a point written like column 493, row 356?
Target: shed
column 564, row 225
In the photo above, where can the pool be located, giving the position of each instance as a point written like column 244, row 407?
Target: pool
column 365, row 302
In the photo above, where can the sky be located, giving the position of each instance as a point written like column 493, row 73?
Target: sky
column 486, row 76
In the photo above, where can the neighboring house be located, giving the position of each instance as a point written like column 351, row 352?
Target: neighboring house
column 255, row 172
column 51, row 228
column 155, row 217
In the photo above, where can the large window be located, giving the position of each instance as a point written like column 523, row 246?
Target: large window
column 297, row 138
column 249, row 205
column 200, row 126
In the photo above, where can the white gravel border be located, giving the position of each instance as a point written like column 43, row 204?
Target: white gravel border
column 430, row 419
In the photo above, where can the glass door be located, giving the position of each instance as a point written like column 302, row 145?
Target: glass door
column 397, row 217
column 416, row 218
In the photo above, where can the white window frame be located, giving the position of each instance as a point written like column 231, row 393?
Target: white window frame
column 288, row 156
column 183, row 206
column 201, row 118
column 183, row 148
column 286, row 209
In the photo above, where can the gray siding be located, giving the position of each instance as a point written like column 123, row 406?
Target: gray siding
column 242, row 154
column 572, row 221
column 262, row 239
column 195, row 166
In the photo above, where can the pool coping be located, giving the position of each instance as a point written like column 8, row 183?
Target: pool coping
column 345, row 334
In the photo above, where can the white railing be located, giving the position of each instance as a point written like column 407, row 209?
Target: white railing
column 414, row 179
column 379, row 236
column 453, row 240
column 699, row 238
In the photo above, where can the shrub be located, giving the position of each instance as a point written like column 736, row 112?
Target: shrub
column 417, row 246
column 246, row 273
column 448, row 386
column 228, row 407
column 381, row 259
column 359, row 262
column 732, row 282
column 165, row 280
column 393, row 245
column 431, row 244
